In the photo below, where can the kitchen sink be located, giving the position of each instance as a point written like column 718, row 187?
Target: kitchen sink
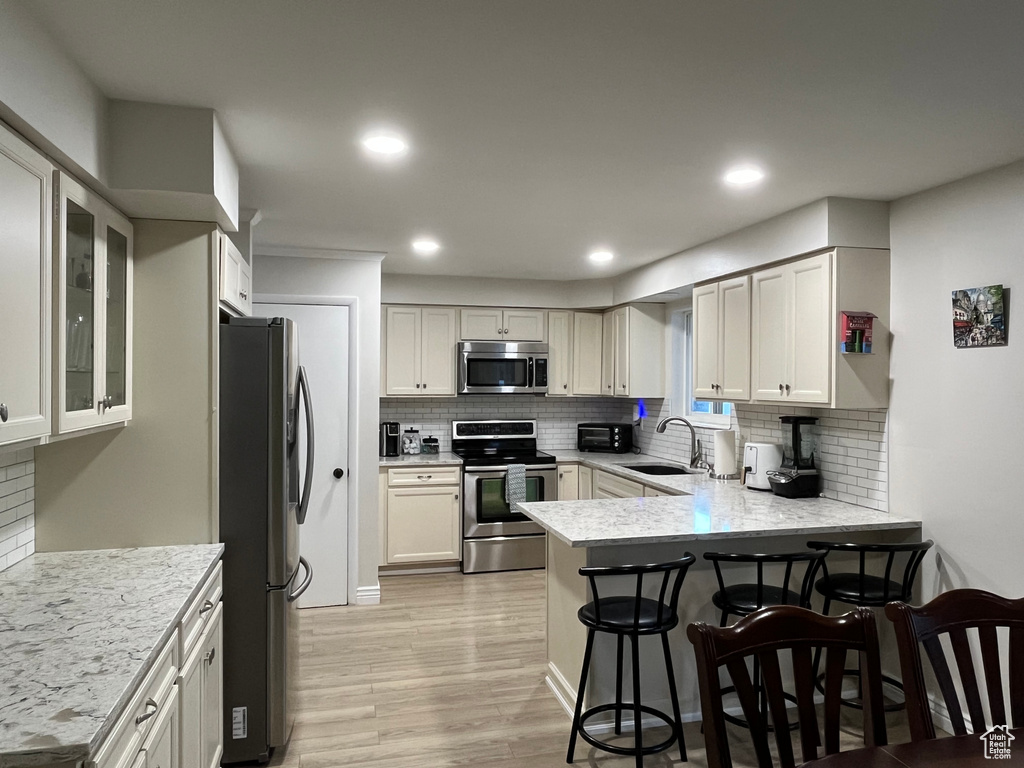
column 663, row 469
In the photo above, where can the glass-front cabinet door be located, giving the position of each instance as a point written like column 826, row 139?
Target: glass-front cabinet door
column 94, row 265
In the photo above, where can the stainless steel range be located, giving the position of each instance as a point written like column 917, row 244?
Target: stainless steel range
column 495, row 537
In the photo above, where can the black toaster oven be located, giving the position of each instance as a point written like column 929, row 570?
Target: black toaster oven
column 604, row 438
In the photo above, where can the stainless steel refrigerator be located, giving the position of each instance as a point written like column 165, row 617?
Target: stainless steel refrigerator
column 261, row 509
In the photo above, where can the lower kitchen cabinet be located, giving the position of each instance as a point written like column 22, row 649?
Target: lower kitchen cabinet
column 423, row 524
column 568, row 482
column 161, row 749
column 586, row 488
column 201, row 681
column 609, row 486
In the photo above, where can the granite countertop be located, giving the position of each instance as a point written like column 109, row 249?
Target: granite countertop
column 79, row 631
column 711, row 509
column 420, row 460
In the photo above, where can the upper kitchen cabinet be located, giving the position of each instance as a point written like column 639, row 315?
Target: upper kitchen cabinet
column 587, row 335
column 235, row 277
column 721, row 340
column 93, row 278
column 637, row 349
column 502, row 324
column 795, row 307
column 419, row 351
column 25, row 291
column 559, row 353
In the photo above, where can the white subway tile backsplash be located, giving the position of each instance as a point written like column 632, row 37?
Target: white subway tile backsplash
column 17, row 506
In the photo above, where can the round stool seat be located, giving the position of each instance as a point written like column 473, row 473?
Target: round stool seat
column 742, row 598
column 618, row 614
column 846, row 588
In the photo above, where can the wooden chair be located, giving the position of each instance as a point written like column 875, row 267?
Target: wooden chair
column 762, row 636
column 952, row 614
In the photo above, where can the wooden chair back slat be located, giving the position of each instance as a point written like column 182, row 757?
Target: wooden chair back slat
column 772, row 676
column 760, row 637
column 803, row 678
column 965, row 666
column 747, row 695
column 835, row 663
column 952, row 614
column 1017, row 675
column 989, row 640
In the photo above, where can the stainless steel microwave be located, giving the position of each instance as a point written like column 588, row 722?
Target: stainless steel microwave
column 502, row 368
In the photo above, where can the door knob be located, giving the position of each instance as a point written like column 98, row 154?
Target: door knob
column 338, row 473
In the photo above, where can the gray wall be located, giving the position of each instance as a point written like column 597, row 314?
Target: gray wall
column 956, row 416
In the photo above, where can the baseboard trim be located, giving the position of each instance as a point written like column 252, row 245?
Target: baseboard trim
column 398, row 571
column 368, row 595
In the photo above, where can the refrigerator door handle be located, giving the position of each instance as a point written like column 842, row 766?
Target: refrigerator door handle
column 307, row 483
column 305, row 582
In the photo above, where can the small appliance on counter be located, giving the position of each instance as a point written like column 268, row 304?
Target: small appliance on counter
column 430, row 445
column 797, row 478
column 758, row 460
column 604, row 437
column 411, row 442
column 389, row 438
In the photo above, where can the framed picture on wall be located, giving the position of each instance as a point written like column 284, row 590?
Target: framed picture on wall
column 979, row 318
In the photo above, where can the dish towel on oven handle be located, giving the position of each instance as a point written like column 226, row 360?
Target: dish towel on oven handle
column 515, row 484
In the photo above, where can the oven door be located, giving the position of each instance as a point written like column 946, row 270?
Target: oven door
column 485, row 511
column 492, row 373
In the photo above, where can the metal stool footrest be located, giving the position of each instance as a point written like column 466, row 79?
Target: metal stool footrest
column 735, row 720
column 855, row 701
column 627, row 708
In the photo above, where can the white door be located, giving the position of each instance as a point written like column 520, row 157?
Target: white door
column 482, row 325
column 323, row 350
column 437, row 351
column 706, row 334
column 734, row 339
column 402, row 355
column 558, row 353
column 523, row 325
column 809, row 381
column 769, row 329
column 586, row 354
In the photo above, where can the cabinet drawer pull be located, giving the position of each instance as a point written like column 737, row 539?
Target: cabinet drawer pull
column 424, row 477
column 210, row 656
column 3, row 412
column 145, row 716
column 207, row 606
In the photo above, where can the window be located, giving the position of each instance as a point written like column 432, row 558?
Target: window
column 701, row 412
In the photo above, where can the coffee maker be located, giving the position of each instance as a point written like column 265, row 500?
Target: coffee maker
column 389, row 438
column 798, row 477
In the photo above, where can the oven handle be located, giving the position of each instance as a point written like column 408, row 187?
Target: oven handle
column 529, row 468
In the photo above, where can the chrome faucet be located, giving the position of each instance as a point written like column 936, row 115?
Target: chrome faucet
column 696, row 458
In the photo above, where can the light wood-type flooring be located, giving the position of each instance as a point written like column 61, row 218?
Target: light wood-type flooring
column 449, row 671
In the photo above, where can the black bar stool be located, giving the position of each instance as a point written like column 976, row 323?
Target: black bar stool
column 744, row 599
column 632, row 615
column 868, row 590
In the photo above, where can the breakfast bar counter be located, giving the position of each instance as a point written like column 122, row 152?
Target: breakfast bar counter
column 708, row 516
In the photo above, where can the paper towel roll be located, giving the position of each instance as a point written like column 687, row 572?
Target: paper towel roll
column 725, row 452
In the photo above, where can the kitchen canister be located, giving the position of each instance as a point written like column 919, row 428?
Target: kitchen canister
column 411, row 442
column 430, row 445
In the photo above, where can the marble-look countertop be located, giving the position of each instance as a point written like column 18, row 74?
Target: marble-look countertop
column 711, row 509
column 420, row 460
column 79, row 631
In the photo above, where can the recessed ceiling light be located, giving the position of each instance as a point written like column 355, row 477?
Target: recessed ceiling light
column 743, row 176
column 385, row 144
column 426, row 246
column 602, row 256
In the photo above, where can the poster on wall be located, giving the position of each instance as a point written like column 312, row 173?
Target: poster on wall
column 978, row 318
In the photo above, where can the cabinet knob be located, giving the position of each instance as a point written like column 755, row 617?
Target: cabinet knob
column 339, row 473
column 210, row 656
column 3, row 412
column 780, row 389
column 787, row 389
column 565, row 386
column 418, row 386
column 561, row 475
column 506, row 330
column 456, row 497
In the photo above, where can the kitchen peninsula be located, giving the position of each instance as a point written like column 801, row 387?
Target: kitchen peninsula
column 698, row 515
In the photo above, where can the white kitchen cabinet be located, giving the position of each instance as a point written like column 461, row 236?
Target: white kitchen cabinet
column 638, row 350
column 586, row 488
column 423, row 524
column 93, row 273
column 654, row 492
column 721, row 340
column 25, row 291
column 559, row 353
column 609, row 486
column 587, row 344
column 200, row 682
column 235, row 277
column 607, row 354
column 568, row 482
column 493, row 324
column 382, row 517
column 795, row 311
column 162, row 747
column 419, row 351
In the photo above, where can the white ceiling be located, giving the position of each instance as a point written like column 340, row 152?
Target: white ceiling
column 541, row 129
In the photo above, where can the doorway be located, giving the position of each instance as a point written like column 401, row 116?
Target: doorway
column 324, row 350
